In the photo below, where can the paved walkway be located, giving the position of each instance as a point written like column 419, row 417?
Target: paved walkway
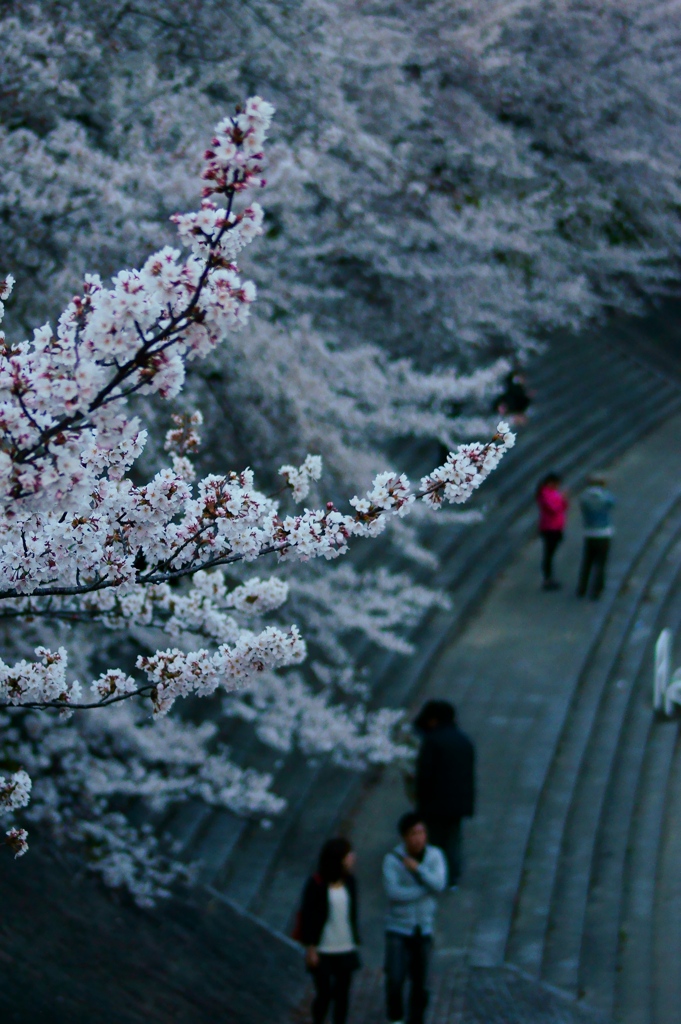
column 517, row 674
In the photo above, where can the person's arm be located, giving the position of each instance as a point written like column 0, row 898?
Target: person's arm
column 309, row 922
column 351, row 885
column 468, row 774
column 432, row 871
column 399, row 885
column 309, row 941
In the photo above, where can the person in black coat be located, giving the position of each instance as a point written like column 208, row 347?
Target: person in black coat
column 327, row 927
column 445, row 780
column 515, row 399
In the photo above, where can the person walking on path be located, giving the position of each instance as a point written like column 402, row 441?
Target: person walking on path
column 596, row 503
column 553, row 506
column 413, row 874
column 445, row 780
column 515, row 399
column 327, row 927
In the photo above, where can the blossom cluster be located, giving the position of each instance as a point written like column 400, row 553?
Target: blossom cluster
column 235, row 157
column 465, row 469
column 62, row 396
column 180, row 534
column 183, row 438
column 17, row 840
column 40, row 681
column 286, row 712
column 174, row 673
column 53, row 552
column 14, row 792
column 170, row 674
column 81, row 769
column 300, row 478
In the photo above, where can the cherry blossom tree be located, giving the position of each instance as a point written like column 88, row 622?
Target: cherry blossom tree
column 594, row 88
column 81, row 542
column 512, row 165
column 531, row 155
column 78, row 199
column 464, row 160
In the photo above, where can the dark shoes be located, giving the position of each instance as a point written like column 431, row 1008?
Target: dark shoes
column 551, row 585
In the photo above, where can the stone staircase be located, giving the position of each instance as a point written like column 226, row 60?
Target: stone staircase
column 464, row 995
column 574, row 874
column 584, row 416
column 72, row 954
column 578, row 904
column 597, row 824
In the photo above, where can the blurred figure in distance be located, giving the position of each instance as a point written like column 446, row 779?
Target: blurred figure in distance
column 515, row 399
column 445, row 780
column 553, row 506
column 596, row 503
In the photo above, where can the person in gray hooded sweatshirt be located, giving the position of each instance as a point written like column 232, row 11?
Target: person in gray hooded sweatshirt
column 596, row 503
column 413, row 875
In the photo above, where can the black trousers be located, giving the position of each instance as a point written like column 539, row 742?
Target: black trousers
column 594, row 558
column 407, row 956
column 446, row 833
column 332, row 978
column 551, row 539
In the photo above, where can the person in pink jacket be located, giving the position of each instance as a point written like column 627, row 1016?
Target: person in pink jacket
column 552, row 515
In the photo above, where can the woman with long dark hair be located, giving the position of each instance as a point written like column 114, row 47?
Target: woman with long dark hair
column 327, row 927
column 552, row 515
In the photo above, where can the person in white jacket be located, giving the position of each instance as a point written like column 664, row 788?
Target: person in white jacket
column 413, row 875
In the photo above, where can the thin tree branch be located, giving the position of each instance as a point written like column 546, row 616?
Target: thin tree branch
column 65, row 706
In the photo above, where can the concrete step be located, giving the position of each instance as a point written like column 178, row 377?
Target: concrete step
column 251, row 859
column 633, row 999
column 526, row 943
column 620, row 829
column 216, row 843
column 460, row 995
column 641, row 902
column 568, row 917
column 665, row 983
column 524, row 757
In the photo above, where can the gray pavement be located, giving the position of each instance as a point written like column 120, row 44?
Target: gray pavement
column 551, row 689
